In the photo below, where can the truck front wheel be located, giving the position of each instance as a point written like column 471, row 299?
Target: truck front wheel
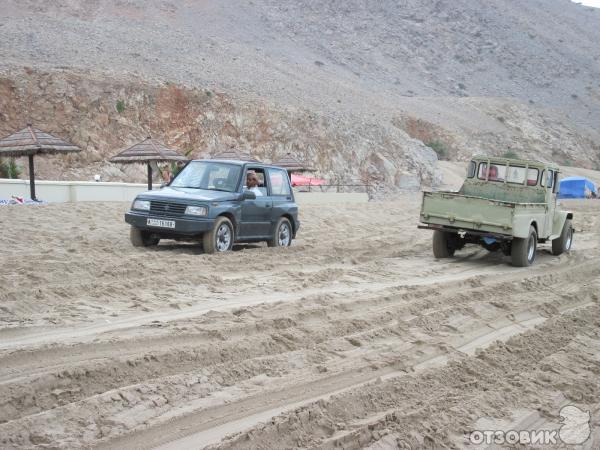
column 523, row 251
column 444, row 244
column 563, row 243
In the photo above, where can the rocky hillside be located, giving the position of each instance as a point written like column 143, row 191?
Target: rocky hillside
column 356, row 88
column 202, row 122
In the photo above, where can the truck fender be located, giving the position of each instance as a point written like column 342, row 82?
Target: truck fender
column 559, row 222
column 521, row 225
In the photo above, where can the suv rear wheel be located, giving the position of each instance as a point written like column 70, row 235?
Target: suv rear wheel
column 142, row 238
column 220, row 238
column 523, row 251
column 282, row 234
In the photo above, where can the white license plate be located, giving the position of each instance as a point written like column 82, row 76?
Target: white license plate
column 160, row 223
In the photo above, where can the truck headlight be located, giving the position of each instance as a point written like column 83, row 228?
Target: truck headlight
column 143, row 205
column 196, row 210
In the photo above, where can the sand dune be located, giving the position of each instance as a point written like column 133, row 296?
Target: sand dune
column 353, row 337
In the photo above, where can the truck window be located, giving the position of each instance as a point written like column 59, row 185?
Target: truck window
column 548, row 178
column 496, row 172
column 471, row 169
column 516, row 174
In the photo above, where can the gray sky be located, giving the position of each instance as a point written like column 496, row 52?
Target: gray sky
column 595, row 3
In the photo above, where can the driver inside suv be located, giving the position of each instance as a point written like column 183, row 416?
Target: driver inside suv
column 252, row 183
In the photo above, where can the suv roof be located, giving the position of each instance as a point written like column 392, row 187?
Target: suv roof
column 239, row 162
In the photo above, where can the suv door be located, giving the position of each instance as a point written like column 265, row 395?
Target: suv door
column 256, row 214
column 281, row 193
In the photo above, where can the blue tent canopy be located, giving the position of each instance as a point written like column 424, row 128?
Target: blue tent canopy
column 577, row 187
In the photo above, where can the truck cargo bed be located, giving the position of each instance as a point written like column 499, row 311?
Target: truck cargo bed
column 465, row 212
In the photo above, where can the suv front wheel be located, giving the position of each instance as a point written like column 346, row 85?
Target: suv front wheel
column 282, row 234
column 142, row 238
column 220, row 238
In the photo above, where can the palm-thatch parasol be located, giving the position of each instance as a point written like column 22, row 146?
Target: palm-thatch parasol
column 30, row 142
column 234, row 154
column 291, row 164
column 145, row 152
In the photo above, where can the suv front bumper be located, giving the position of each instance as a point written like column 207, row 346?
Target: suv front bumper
column 183, row 225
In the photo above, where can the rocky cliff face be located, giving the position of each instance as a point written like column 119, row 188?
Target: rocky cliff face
column 354, row 88
column 103, row 116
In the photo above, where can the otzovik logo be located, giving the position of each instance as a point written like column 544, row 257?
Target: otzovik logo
column 574, row 429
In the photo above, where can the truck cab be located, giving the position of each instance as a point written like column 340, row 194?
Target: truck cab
column 503, row 204
column 210, row 201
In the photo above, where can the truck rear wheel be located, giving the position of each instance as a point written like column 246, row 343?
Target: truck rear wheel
column 443, row 244
column 563, row 243
column 523, row 251
column 142, row 238
column 220, row 238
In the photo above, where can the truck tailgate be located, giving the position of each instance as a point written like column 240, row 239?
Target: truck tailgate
column 467, row 212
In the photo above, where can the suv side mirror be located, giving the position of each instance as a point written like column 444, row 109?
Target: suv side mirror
column 248, row 195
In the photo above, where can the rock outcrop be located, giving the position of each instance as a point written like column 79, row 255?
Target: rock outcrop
column 105, row 115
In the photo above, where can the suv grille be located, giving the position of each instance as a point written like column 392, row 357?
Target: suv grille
column 161, row 208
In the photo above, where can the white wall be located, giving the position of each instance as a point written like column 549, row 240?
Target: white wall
column 330, row 197
column 73, row 191
column 90, row 191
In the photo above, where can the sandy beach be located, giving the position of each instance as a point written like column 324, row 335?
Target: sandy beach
column 354, row 337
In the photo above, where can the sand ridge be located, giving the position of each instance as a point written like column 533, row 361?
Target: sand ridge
column 354, row 337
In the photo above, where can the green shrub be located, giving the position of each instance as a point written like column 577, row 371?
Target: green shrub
column 120, row 106
column 510, row 154
column 9, row 169
column 438, row 147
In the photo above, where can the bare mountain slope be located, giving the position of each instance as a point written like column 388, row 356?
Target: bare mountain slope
column 380, row 65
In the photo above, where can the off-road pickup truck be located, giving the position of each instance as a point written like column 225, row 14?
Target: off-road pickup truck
column 504, row 204
column 209, row 201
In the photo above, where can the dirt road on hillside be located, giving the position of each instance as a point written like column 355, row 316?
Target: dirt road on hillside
column 354, row 337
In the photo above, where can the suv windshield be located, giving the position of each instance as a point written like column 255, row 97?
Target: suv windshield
column 212, row 176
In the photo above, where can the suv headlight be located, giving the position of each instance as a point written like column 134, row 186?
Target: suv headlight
column 196, row 210
column 143, row 205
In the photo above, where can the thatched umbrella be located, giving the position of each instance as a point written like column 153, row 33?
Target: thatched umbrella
column 234, row 154
column 291, row 164
column 30, row 142
column 145, row 152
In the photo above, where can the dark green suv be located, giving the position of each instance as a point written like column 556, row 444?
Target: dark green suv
column 210, row 202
